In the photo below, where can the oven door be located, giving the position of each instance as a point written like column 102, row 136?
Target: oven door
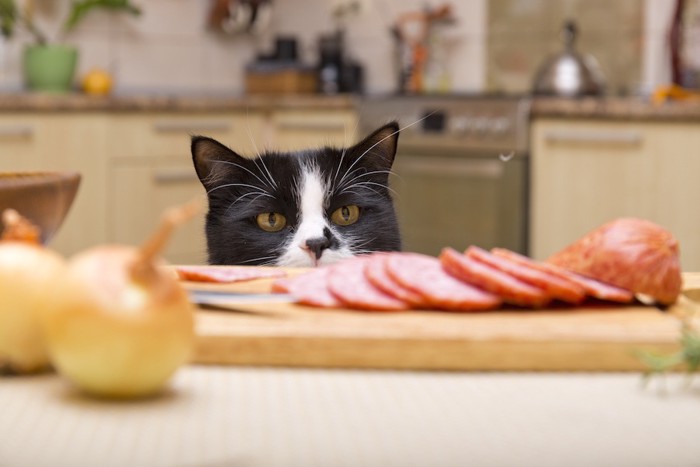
column 448, row 199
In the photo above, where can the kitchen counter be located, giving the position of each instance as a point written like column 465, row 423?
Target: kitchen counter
column 233, row 416
column 614, row 108
column 30, row 102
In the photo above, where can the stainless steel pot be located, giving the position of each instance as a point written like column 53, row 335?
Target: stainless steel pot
column 569, row 73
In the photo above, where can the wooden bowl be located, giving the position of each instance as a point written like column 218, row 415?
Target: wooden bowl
column 42, row 197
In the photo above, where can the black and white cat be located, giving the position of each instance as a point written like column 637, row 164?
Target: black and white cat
column 301, row 208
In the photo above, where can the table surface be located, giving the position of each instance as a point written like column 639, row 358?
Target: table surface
column 235, row 416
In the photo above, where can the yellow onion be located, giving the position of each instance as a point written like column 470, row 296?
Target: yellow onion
column 122, row 324
column 27, row 272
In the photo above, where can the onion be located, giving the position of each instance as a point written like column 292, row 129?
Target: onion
column 121, row 324
column 27, row 271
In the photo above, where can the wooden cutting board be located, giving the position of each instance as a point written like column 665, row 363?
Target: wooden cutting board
column 595, row 337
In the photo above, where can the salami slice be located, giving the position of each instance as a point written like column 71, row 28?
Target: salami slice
column 592, row 287
column 556, row 287
column 348, row 283
column 376, row 272
column 226, row 274
column 426, row 276
column 510, row 289
column 311, row 288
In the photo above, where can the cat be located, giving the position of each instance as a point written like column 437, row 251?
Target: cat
column 302, row 208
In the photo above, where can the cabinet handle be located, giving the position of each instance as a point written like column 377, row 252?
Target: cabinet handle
column 16, row 131
column 175, row 126
column 624, row 137
column 311, row 126
column 174, row 175
column 451, row 167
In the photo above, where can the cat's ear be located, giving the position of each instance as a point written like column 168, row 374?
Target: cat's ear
column 380, row 145
column 210, row 159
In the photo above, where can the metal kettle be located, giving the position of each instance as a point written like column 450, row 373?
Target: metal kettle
column 569, row 73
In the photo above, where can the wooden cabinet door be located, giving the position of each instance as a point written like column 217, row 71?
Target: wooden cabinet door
column 587, row 173
column 584, row 174
column 312, row 129
column 72, row 142
column 676, row 186
column 140, row 190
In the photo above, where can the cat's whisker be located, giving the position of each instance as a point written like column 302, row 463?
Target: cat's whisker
column 245, row 195
column 378, row 184
column 365, row 174
column 364, row 188
column 250, row 134
column 269, row 175
column 345, row 148
column 226, row 185
column 244, row 168
column 383, row 139
column 358, row 247
column 261, row 258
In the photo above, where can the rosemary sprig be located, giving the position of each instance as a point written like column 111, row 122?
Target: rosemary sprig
column 687, row 357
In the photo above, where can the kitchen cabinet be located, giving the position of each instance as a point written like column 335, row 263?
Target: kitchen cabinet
column 587, row 172
column 75, row 142
column 151, row 169
column 302, row 129
column 134, row 164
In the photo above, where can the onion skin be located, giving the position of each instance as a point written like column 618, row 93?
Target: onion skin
column 115, row 336
column 634, row 254
column 27, row 272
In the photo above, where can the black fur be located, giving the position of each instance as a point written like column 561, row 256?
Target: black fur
column 239, row 188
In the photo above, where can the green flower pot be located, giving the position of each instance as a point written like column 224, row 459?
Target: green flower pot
column 50, row 68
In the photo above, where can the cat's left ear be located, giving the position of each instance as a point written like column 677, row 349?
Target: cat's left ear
column 380, row 147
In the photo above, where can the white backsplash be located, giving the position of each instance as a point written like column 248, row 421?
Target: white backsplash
column 169, row 50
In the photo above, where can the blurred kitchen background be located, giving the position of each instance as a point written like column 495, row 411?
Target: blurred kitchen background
column 493, row 45
column 538, row 120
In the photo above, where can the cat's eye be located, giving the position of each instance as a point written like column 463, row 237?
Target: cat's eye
column 271, row 221
column 346, row 215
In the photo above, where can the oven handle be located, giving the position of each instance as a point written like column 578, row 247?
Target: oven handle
column 451, row 167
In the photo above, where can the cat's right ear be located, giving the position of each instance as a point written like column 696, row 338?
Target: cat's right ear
column 212, row 160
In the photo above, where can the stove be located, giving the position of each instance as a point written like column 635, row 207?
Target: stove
column 461, row 170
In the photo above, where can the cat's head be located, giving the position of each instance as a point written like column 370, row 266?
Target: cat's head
column 301, row 208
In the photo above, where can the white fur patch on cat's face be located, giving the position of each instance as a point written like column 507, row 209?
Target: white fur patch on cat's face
column 312, row 202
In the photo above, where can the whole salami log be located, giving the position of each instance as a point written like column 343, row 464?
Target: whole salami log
column 376, row 272
column 558, row 288
column 510, row 289
column 631, row 253
column 425, row 275
column 347, row 282
column 591, row 287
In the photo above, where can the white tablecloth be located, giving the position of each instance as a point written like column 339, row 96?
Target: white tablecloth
column 215, row 417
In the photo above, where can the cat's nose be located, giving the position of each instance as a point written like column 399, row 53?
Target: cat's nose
column 317, row 245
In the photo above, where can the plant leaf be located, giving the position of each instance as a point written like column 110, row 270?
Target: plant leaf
column 8, row 17
column 80, row 8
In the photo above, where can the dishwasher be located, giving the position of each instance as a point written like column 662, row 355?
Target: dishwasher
column 461, row 170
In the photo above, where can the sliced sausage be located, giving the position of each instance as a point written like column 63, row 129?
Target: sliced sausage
column 347, row 282
column 510, row 289
column 425, row 275
column 311, row 288
column 376, row 272
column 556, row 287
column 225, row 274
column 592, row 287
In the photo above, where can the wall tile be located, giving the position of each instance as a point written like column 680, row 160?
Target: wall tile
column 159, row 66
column 523, row 34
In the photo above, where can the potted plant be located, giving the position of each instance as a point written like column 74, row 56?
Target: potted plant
column 50, row 66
